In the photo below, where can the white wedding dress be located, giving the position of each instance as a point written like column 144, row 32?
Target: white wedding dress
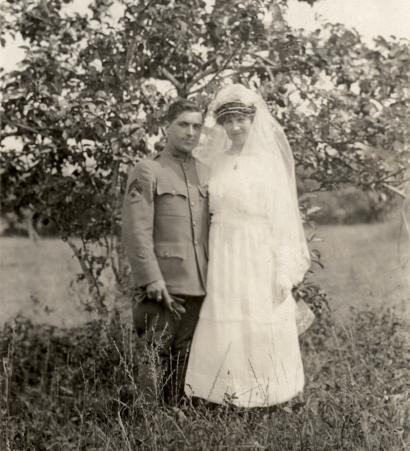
column 245, row 349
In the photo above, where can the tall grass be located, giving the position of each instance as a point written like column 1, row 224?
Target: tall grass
column 86, row 389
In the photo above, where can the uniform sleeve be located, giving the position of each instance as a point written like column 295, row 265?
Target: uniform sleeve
column 138, row 223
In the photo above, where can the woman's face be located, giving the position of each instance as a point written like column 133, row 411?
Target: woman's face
column 237, row 127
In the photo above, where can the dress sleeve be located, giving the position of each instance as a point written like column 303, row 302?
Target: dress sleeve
column 138, row 223
column 283, row 235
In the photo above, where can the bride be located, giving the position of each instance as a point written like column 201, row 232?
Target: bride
column 245, row 349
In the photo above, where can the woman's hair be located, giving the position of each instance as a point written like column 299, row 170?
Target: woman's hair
column 180, row 106
column 232, row 109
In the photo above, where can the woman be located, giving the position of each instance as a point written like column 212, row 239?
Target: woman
column 245, row 349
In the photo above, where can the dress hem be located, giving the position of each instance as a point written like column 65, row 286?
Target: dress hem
column 243, row 405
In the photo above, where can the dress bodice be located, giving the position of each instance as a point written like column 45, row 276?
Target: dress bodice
column 238, row 187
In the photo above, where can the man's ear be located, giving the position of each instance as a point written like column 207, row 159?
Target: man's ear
column 166, row 126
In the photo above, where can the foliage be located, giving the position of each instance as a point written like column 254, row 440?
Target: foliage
column 350, row 205
column 88, row 97
column 81, row 389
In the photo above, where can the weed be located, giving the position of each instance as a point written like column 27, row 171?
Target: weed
column 83, row 388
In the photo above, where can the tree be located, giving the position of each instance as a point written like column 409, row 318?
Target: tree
column 87, row 101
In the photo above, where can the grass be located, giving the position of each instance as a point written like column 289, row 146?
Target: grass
column 364, row 265
column 36, row 280
column 82, row 389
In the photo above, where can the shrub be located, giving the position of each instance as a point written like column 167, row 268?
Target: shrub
column 351, row 205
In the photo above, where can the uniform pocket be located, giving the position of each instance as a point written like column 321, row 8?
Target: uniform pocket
column 171, row 200
column 172, row 260
column 171, row 190
column 171, row 250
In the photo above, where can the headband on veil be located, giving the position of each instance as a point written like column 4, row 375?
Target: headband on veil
column 267, row 142
column 230, row 108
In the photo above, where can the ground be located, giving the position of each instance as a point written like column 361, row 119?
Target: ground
column 82, row 388
column 363, row 265
column 366, row 264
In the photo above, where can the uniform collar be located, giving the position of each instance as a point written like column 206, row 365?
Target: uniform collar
column 180, row 158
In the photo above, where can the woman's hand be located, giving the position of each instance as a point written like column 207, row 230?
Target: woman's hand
column 284, row 286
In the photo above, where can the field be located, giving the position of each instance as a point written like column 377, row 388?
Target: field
column 363, row 265
column 80, row 388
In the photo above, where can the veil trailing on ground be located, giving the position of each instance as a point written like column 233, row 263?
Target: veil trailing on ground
column 266, row 142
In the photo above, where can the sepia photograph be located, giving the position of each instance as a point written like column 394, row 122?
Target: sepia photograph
column 205, row 225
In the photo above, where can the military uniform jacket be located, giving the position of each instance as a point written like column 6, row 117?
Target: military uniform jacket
column 165, row 224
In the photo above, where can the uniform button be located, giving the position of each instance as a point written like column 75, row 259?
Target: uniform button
column 196, row 242
column 192, row 203
column 194, row 223
column 174, row 192
column 166, row 254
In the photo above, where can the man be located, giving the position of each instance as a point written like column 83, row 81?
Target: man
column 165, row 236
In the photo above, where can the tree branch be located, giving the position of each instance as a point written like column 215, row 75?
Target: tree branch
column 268, row 70
column 406, row 223
column 165, row 72
column 264, row 59
column 41, row 19
column 201, row 76
column 147, row 98
column 241, row 70
column 221, row 69
column 24, row 127
column 394, row 190
column 6, row 135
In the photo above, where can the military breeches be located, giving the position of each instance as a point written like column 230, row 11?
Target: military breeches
column 167, row 342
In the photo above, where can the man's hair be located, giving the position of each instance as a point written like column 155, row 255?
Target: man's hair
column 180, row 106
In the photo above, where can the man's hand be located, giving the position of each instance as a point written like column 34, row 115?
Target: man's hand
column 158, row 291
column 155, row 290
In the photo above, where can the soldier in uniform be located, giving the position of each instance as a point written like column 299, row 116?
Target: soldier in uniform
column 165, row 236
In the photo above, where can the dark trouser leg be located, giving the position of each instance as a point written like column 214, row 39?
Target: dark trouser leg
column 170, row 339
column 156, row 326
column 181, row 345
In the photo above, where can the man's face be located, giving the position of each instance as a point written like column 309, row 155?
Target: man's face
column 184, row 131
